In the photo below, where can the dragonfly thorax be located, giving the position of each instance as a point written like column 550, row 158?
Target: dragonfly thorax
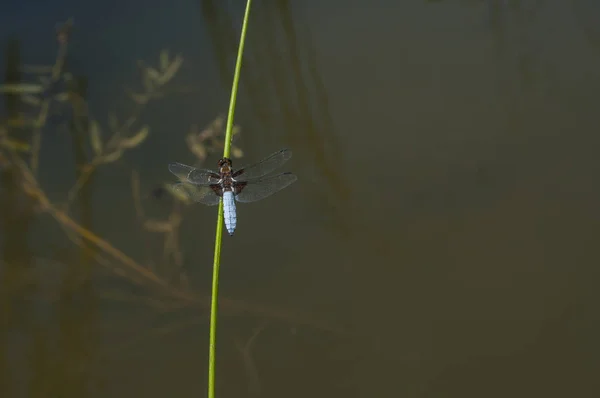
column 225, row 166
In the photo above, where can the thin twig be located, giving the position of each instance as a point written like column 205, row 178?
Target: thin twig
column 45, row 106
column 112, row 142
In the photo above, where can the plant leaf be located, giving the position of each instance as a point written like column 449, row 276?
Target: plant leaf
column 164, row 59
column 236, row 152
column 62, row 97
column 21, row 88
column 153, row 74
column 30, row 99
column 136, row 140
column 140, row 99
column 18, row 146
column 113, row 156
column 96, row 137
column 199, row 150
column 149, row 83
column 171, row 70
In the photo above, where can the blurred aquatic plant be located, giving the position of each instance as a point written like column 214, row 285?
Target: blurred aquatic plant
column 100, row 143
column 121, row 138
column 202, row 144
column 212, row 139
column 154, row 79
column 12, row 144
column 106, row 143
column 104, row 152
column 105, row 148
column 172, row 255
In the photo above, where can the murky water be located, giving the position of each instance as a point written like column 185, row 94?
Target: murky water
column 440, row 240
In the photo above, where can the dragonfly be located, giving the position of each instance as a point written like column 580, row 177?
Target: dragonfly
column 245, row 185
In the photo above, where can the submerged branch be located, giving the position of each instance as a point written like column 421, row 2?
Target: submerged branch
column 135, row 271
column 45, row 106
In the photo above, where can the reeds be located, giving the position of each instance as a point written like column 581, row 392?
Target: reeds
column 219, row 232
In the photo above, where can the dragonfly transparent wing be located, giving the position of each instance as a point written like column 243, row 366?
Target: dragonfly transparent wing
column 263, row 167
column 264, row 187
column 195, row 193
column 193, row 175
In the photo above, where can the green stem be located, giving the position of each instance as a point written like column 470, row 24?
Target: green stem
column 219, row 233
column 236, row 79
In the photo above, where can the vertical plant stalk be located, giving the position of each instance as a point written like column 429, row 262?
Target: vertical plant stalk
column 219, row 233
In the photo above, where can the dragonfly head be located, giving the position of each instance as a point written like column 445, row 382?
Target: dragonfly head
column 225, row 165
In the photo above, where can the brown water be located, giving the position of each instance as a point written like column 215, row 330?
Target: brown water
column 440, row 240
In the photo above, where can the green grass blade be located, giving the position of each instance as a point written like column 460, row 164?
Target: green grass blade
column 219, row 232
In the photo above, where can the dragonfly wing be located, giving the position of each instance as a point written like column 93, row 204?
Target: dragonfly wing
column 193, row 175
column 259, row 189
column 263, row 167
column 201, row 194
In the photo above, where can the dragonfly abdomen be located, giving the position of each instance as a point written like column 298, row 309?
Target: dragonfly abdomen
column 229, row 212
